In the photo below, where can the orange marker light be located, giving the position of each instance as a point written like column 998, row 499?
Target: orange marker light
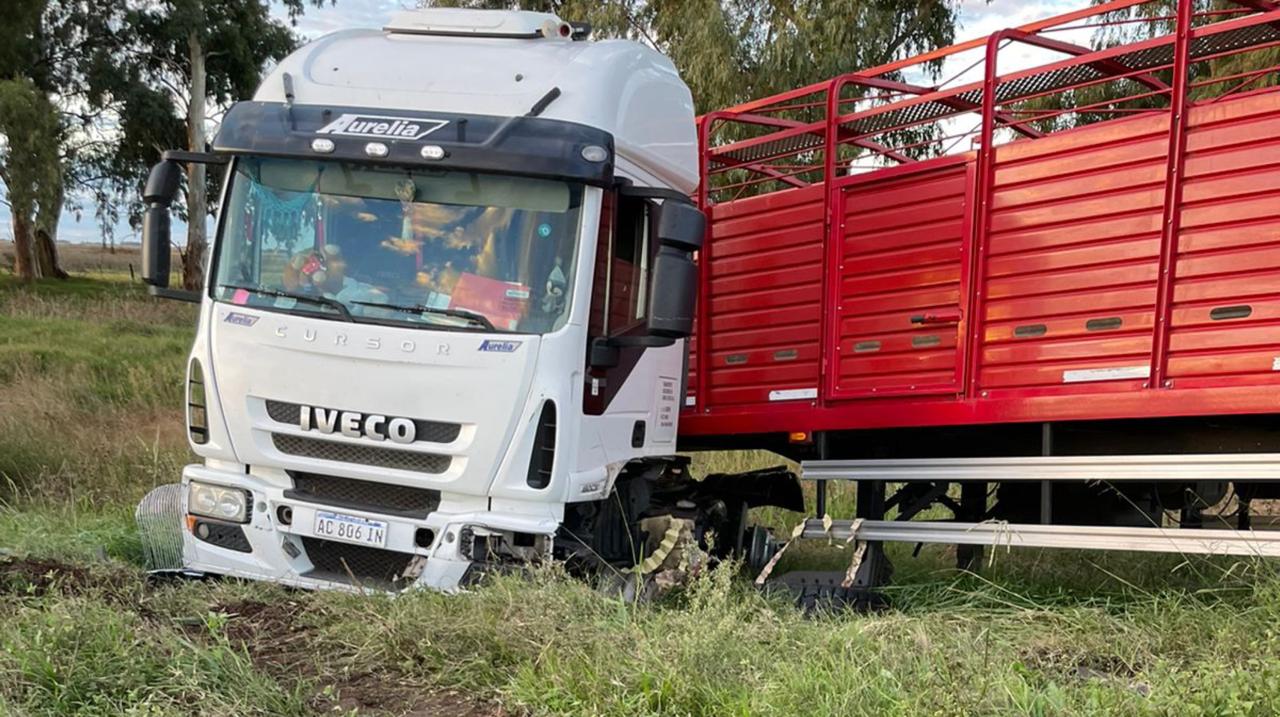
column 799, row 437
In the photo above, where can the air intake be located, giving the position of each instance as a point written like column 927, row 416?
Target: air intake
column 197, row 410
column 544, row 448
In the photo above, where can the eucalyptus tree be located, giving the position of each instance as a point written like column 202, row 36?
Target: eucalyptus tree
column 729, row 51
column 1248, row 70
column 191, row 55
column 53, row 57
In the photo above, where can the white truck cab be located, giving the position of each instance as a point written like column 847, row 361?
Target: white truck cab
column 446, row 302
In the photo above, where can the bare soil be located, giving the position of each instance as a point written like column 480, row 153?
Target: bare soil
column 41, row 576
column 274, row 635
column 280, row 643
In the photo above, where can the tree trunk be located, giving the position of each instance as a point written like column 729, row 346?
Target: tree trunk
column 197, row 203
column 25, row 264
column 46, row 237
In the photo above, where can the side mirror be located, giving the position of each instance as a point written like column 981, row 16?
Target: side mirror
column 673, row 289
column 158, row 195
column 681, row 225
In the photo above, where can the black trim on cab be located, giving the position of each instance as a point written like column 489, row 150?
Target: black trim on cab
column 526, row 146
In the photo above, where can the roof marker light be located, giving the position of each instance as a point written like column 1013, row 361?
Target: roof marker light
column 376, row 149
column 322, row 145
column 595, row 153
column 433, row 152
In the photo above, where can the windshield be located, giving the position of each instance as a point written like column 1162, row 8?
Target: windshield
column 444, row 249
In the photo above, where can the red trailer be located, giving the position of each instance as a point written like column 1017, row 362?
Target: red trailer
column 1061, row 264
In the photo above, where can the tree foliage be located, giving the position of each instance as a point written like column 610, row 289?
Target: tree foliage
column 1243, row 71
column 52, row 57
column 116, row 78
column 189, row 53
column 32, row 174
column 729, row 51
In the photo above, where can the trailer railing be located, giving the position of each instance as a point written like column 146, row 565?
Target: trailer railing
column 1114, row 62
column 877, row 118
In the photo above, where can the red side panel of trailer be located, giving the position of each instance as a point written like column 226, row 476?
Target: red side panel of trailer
column 1051, row 266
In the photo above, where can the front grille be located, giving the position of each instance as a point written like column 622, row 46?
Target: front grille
column 425, row 431
column 342, row 562
column 361, row 455
column 363, row 495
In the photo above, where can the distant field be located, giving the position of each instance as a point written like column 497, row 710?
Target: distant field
column 90, row 419
column 92, row 260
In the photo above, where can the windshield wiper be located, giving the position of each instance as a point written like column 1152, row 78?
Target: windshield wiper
column 424, row 309
column 334, row 304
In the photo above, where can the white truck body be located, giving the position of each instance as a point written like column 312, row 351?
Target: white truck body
column 341, row 386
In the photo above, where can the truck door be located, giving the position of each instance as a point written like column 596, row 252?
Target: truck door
column 898, row 285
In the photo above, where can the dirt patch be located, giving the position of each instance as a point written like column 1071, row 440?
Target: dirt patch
column 383, row 693
column 42, row 576
column 273, row 636
column 1053, row 659
column 1073, row 666
column 282, row 644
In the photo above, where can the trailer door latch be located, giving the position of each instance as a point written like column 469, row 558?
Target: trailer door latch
column 926, row 319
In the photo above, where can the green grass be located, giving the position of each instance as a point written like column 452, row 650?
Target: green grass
column 90, row 392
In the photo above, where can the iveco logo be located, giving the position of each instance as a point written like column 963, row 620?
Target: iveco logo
column 357, row 425
column 382, row 127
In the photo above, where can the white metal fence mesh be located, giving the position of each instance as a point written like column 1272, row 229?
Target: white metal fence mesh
column 159, row 518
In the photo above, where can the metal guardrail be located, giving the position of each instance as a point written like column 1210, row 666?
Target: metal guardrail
column 1078, row 537
column 1233, row 467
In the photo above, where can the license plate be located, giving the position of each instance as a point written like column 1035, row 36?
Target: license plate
column 350, row 529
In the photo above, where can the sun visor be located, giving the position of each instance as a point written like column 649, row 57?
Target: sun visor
column 527, row 146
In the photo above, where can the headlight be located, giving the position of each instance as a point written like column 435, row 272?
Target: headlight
column 215, row 501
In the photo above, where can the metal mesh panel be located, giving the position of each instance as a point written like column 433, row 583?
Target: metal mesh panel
column 1046, row 82
column 1060, row 78
column 282, row 412
column 1237, row 40
column 426, row 431
column 370, row 495
column 159, row 520
column 777, row 148
column 361, row 455
column 341, row 561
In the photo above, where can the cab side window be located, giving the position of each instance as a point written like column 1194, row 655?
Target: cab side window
column 620, row 290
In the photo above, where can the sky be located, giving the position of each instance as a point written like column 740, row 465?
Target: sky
column 978, row 18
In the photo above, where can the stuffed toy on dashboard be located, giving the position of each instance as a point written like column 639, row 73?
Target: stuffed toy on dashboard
column 319, row 270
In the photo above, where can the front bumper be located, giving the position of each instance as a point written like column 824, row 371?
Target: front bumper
column 288, row 553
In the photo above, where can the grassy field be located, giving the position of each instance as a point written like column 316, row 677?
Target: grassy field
column 90, row 389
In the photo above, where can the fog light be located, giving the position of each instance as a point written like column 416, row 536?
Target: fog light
column 215, row 501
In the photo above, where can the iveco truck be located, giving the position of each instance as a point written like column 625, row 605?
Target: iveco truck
column 460, row 298
column 446, row 305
